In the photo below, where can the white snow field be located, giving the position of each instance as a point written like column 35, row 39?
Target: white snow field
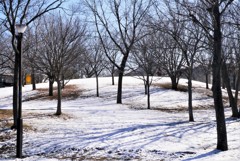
column 96, row 128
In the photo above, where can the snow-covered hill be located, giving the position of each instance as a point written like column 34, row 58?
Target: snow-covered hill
column 92, row 128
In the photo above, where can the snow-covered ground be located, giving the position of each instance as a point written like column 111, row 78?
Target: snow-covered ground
column 92, row 128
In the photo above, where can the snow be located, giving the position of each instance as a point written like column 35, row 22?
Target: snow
column 92, row 128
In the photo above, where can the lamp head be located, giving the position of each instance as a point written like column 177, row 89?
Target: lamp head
column 21, row 28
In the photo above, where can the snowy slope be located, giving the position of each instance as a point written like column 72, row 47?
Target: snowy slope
column 94, row 128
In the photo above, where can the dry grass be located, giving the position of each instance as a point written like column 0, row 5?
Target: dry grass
column 182, row 88
column 5, row 114
column 69, row 92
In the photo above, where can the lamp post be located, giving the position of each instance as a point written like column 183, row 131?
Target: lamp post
column 20, row 29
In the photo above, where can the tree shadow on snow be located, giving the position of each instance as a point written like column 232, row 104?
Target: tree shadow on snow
column 201, row 156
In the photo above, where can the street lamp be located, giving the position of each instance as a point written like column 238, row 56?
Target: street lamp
column 20, row 29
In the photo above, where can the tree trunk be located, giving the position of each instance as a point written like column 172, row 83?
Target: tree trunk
column 113, row 83
column 50, row 90
column 174, row 82
column 207, row 87
column 97, row 85
column 237, row 88
column 190, row 108
column 63, row 82
column 217, row 93
column 232, row 102
column 15, row 92
column 120, row 78
column 234, row 82
column 59, row 91
column 33, row 80
column 119, row 92
column 148, row 92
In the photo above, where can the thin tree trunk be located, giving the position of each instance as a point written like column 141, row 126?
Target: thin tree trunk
column 190, row 108
column 97, row 86
column 113, row 83
column 33, row 80
column 237, row 88
column 232, row 102
column 59, row 111
column 145, row 87
column 148, row 92
column 63, row 82
column 207, row 87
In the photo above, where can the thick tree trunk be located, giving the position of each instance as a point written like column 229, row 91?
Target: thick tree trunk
column 50, row 90
column 174, row 82
column 119, row 92
column 120, row 78
column 217, row 93
column 232, row 102
column 15, row 92
column 59, row 96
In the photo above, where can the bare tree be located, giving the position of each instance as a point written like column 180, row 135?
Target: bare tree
column 170, row 59
column 61, row 43
column 22, row 12
column 209, row 14
column 95, row 59
column 121, row 25
column 145, row 65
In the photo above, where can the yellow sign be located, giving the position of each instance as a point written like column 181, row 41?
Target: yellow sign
column 28, row 79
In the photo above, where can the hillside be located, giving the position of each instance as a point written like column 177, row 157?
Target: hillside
column 92, row 128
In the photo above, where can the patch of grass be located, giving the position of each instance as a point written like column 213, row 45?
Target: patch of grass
column 69, row 92
column 182, row 88
column 5, row 114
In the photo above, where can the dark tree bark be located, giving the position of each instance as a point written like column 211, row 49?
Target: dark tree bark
column 119, row 91
column 113, row 82
column 33, row 79
column 50, row 89
column 59, row 98
column 148, row 92
column 174, row 82
column 232, row 101
column 207, row 86
column 190, row 107
column 97, row 85
column 216, row 67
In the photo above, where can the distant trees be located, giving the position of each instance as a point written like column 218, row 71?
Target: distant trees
column 143, row 62
column 58, row 45
column 95, row 60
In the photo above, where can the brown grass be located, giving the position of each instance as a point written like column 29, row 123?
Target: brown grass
column 69, row 92
column 5, row 114
column 182, row 88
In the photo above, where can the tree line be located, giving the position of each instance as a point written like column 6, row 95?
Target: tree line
column 117, row 37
